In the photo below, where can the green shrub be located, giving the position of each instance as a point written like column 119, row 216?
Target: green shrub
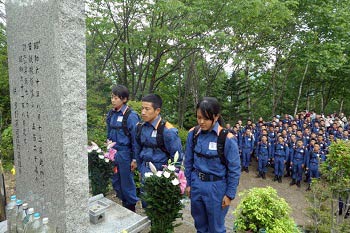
column 325, row 192
column 6, row 144
column 262, row 208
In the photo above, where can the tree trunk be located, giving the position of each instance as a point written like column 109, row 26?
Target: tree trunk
column 246, row 74
column 342, row 101
column 300, row 89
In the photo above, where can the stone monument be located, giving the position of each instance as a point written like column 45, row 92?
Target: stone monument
column 46, row 53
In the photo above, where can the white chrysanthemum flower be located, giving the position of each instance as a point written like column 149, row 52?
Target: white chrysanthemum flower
column 99, row 150
column 101, row 156
column 89, row 149
column 148, row 174
column 159, row 173
column 175, row 182
column 107, row 160
column 171, row 168
column 166, row 174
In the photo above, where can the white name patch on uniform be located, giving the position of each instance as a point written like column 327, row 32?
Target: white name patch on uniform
column 120, row 118
column 212, row 146
column 154, row 134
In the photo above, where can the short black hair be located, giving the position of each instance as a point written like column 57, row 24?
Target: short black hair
column 155, row 99
column 209, row 107
column 121, row 91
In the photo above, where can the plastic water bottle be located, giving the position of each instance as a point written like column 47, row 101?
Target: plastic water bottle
column 18, row 211
column 10, row 214
column 35, row 225
column 28, row 220
column 20, row 218
column 45, row 228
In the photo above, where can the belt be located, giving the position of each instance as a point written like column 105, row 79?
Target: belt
column 209, row 177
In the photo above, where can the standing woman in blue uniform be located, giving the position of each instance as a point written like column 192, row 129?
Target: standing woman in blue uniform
column 124, row 160
column 211, row 184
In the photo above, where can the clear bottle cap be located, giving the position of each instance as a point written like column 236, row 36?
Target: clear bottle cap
column 13, row 197
column 36, row 215
column 19, row 202
column 45, row 220
column 31, row 211
column 25, row 205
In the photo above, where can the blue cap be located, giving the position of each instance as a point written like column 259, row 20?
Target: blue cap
column 13, row 197
column 36, row 215
column 19, row 202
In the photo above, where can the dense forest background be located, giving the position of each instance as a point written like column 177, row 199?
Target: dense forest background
column 259, row 58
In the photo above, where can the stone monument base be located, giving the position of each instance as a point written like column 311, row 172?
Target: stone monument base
column 116, row 219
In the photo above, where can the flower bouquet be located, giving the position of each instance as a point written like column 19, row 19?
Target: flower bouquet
column 100, row 167
column 163, row 191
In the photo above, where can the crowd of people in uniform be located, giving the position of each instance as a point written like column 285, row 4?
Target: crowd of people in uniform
column 293, row 146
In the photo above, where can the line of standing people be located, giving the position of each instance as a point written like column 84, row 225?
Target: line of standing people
column 211, row 180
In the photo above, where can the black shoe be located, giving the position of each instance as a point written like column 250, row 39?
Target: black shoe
column 242, row 169
column 264, row 176
column 258, row 175
column 280, row 179
column 287, row 175
column 246, row 170
column 308, row 188
column 275, row 178
column 131, row 207
column 292, row 183
column 298, row 184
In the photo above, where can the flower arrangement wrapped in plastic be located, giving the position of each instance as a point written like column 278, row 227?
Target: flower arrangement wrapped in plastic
column 100, row 167
column 163, row 191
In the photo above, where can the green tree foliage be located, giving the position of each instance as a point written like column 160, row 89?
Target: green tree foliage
column 259, row 58
column 5, row 116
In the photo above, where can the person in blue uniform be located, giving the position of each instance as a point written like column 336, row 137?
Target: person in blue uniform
column 313, row 161
column 292, row 145
column 263, row 154
column 147, row 147
column 298, row 162
column 280, row 152
column 124, row 160
column 211, row 185
column 247, row 146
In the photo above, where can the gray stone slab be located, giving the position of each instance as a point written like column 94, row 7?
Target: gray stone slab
column 118, row 218
column 47, row 69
